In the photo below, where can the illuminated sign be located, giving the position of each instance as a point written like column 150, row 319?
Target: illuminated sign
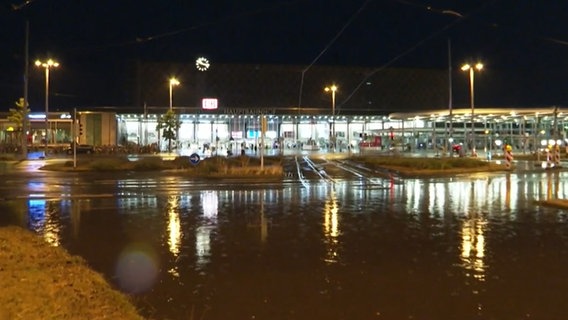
column 253, row 111
column 209, row 103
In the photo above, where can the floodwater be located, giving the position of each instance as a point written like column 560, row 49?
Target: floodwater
column 464, row 247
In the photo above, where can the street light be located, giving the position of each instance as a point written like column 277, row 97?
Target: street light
column 332, row 89
column 46, row 65
column 173, row 82
column 470, row 68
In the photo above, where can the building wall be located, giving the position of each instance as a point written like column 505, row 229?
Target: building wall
column 99, row 128
column 108, row 129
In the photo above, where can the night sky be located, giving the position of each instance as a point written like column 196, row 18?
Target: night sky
column 522, row 43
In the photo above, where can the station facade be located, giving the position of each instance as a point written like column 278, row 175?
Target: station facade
column 376, row 108
column 526, row 130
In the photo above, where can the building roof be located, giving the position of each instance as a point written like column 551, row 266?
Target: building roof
column 485, row 114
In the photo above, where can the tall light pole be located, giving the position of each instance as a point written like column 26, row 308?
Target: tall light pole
column 173, row 82
column 470, row 68
column 47, row 65
column 332, row 89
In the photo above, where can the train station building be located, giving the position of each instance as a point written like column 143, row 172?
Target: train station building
column 225, row 107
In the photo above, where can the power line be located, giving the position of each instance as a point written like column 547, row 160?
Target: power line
column 158, row 36
column 459, row 18
column 330, row 43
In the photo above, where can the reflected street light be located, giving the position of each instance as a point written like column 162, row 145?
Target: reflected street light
column 173, row 82
column 46, row 65
column 332, row 89
column 470, row 68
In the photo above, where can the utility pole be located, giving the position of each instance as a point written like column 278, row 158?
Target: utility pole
column 24, row 136
column 74, row 135
column 450, row 97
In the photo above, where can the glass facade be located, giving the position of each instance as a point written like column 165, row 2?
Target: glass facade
column 490, row 129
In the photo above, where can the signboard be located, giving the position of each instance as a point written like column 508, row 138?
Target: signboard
column 194, row 158
column 209, row 103
column 250, row 111
column 237, row 134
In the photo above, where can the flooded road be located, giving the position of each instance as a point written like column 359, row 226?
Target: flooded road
column 464, row 247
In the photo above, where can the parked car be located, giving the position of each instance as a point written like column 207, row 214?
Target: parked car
column 81, row 148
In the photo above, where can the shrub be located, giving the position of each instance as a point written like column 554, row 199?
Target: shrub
column 148, row 164
column 423, row 163
column 244, row 160
column 7, row 157
column 108, row 164
column 211, row 165
column 182, row 162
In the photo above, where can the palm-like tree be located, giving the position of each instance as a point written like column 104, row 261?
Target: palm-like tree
column 17, row 116
column 169, row 124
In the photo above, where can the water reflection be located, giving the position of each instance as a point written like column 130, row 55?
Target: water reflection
column 174, row 230
column 554, row 189
column 43, row 220
column 135, row 200
column 331, row 227
column 505, row 193
column 210, row 207
column 210, row 203
column 284, row 251
column 473, row 247
column 263, row 220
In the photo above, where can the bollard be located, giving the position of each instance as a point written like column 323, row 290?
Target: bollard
column 549, row 163
column 557, row 156
column 508, row 156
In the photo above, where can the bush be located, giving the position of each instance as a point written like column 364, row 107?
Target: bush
column 7, row 157
column 108, row 164
column 244, row 160
column 422, row 163
column 211, row 165
column 182, row 162
column 149, row 164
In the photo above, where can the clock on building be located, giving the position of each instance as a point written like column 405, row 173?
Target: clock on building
column 202, row 64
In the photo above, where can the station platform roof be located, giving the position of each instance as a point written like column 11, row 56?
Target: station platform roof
column 482, row 114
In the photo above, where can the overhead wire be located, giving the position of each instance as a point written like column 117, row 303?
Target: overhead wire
column 328, row 45
column 157, row 36
column 459, row 18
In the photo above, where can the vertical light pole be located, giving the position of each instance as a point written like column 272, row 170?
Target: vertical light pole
column 47, row 65
column 173, row 82
column 332, row 89
column 25, row 115
column 470, row 68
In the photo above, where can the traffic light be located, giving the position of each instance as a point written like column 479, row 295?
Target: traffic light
column 80, row 129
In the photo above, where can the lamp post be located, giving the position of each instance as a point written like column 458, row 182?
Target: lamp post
column 47, row 65
column 470, row 68
column 173, row 82
column 332, row 89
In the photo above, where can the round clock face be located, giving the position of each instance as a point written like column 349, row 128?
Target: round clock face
column 202, row 64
